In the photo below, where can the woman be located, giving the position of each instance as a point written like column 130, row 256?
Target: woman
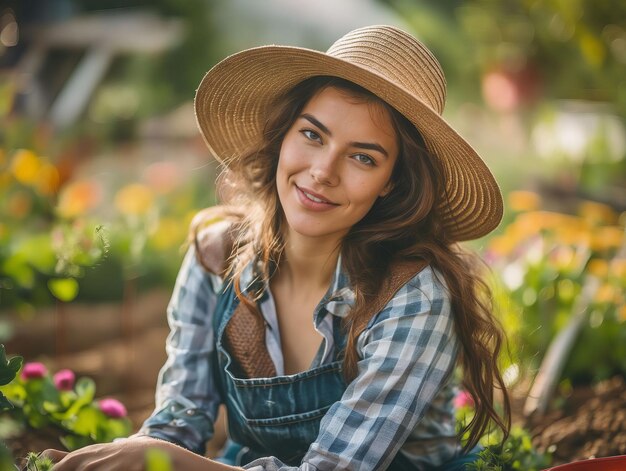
column 329, row 306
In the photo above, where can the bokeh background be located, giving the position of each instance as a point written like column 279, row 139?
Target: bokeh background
column 102, row 169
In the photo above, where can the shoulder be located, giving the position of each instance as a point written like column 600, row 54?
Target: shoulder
column 212, row 233
column 425, row 293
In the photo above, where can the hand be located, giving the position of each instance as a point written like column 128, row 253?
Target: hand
column 129, row 455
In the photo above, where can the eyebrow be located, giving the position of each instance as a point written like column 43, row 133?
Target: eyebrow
column 360, row 145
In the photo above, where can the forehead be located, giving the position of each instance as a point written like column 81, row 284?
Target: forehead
column 340, row 103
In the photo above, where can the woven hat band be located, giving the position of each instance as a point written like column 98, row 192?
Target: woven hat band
column 397, row 56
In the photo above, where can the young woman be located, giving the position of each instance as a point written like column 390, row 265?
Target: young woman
column 328, row 304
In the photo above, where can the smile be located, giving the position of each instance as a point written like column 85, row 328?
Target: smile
column 313, row 200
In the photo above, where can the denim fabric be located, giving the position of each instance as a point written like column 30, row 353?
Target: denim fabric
column 277, row 416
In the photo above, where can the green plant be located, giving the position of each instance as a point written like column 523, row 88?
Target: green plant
column 34, row 462
column 542, row 261
column 514, row 453
column 8, row 371
column 70, row 408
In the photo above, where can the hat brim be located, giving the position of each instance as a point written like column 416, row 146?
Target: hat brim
column 233, row 98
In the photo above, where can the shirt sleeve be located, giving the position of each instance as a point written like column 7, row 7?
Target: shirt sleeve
column 186, row 396
column 407, row 353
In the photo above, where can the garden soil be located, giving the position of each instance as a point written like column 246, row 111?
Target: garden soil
column 124, row 350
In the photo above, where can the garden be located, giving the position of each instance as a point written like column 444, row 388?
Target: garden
column 94, row 215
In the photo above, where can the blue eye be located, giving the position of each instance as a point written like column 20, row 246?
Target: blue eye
column 311, row 135
column 364, row 159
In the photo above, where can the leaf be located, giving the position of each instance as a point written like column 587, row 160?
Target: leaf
column 4, row 403
column 85, row 391
column 86, row 421
column 64, row 289
column 8, row 369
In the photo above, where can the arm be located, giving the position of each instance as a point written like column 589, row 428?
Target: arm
column 407, row 353
column 186, row 398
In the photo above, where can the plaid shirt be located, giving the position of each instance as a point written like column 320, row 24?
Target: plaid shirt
column 400, row 401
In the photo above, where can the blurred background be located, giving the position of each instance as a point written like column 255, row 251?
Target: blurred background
column 102, row 169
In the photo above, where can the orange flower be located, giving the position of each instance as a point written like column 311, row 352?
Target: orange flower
column 607, row 237
column 524, row 201
column 597, row 213
column 598, row 267
column 47, row 180
column 134, row 199
column 79, row 197
column 605, row 294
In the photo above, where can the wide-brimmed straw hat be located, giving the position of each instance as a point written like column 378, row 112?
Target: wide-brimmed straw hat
column 234, row 96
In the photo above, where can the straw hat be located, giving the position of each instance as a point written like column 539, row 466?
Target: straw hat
column 234, row 95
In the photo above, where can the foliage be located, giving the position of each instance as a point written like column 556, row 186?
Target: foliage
column 514, row 453
column 572, row 50
column 8, row 371
column 42, row 401
column 34, row 462
column 544, row 259
column 61, row 233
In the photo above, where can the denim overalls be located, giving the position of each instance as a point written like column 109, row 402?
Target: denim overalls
column 278, row 416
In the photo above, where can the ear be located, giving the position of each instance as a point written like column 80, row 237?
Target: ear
column 386, row 190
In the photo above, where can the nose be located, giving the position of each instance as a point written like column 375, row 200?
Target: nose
column 324, row 169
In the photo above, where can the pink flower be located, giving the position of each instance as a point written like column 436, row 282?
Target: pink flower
column 463, row 399
column 34, row 370
column 112, row 407
column 64, row 380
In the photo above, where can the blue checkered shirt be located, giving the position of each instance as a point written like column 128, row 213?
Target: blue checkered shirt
column 400, row 401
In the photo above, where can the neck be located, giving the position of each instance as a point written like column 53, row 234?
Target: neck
column 308, row 263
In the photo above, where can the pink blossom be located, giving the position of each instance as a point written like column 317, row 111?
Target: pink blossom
column 112, row 407
column 463, row 399
column 34, row 370
column 64, row 380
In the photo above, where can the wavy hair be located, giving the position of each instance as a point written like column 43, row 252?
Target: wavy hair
column 404, row 224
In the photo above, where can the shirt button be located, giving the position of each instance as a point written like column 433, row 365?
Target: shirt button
column 190, row 412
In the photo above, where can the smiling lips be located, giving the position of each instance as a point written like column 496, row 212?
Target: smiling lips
column 313, row 201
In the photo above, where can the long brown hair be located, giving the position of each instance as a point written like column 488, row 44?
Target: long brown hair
column 404, row 224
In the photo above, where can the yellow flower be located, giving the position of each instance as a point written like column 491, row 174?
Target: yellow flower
column 524, row 201
column 597, row 213
column 79, row 197
column 25, row 166
column 169, row 233
column 134, row 199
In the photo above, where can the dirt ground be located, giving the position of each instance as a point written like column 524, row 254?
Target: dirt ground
column 122, row 349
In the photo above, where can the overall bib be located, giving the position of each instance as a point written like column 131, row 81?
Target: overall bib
column 278, row 416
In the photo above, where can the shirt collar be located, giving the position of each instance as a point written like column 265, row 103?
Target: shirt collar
column 338, row 299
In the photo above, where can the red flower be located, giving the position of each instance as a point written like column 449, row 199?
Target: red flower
column 112, row 407
column 463, row 399
column 64, row 380
column 34, row 370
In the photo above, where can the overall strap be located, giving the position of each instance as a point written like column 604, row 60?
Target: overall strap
column 244, row 335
